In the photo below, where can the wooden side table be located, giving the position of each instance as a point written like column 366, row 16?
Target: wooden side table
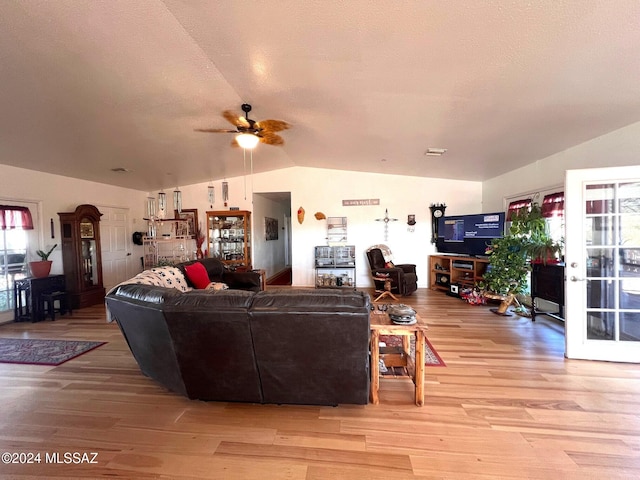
column 263, row 280
column 30, row 290
column 381, row 324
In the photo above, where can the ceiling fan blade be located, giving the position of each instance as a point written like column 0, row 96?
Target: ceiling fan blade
column 236, row 120
column 271, row 139
column 215, row 130
column 231, row 117
column 235, row 143
column 273, row 125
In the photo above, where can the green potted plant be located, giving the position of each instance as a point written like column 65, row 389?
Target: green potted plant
column 42, row 268
column 544, row 250
column 509, row 256
column 508, row 271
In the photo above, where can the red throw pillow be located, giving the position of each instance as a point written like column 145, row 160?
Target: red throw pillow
column 197, row 274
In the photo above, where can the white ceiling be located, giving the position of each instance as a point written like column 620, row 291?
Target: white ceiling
column 89, row 85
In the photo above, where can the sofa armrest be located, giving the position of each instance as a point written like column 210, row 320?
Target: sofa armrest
column 407, row 267
column 243, row 280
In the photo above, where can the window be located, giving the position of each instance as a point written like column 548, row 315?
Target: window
column 516, row 205
column 552, row 207
column 553, row 211
column 13, row 256
column 16, row 234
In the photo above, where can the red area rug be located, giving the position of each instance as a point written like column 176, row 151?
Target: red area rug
column 42, row 352
column 431, row 357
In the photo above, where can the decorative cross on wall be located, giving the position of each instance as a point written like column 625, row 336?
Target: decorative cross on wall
column 386, row 221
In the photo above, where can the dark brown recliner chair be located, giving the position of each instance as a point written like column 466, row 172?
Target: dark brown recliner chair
column 404, row 279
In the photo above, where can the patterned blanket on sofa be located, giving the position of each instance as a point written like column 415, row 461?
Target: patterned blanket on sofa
column 168, row 277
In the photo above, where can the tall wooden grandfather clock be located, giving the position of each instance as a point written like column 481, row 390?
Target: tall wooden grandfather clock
column 81, row 256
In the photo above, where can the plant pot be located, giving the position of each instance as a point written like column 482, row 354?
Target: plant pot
column 550, row 260
column 40, row 269
column 504, row 305
column 505, row 301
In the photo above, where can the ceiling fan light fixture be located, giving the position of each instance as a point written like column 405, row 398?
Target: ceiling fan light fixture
column 247, row 140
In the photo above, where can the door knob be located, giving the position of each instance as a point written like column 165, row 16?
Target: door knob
column 573, row 278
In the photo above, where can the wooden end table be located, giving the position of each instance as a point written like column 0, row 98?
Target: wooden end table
column 263, row 279
column 381, row 324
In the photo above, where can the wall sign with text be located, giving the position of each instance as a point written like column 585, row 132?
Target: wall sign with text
column 358, row 203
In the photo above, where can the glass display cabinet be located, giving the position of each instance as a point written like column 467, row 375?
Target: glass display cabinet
column 81, row 255
column 229, row 237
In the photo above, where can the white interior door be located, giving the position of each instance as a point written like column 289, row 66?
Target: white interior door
column 602, row 257
column 115, row 245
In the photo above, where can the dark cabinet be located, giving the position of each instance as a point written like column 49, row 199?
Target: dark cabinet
column 547, row 283
column 81, row 255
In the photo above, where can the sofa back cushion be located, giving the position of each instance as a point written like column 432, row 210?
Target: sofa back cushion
column 312, row 346
column 213, row 344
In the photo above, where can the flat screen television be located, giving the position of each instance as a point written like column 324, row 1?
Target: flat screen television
column 469, row 234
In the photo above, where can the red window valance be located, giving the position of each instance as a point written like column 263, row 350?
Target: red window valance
column 516, row 206
column 553, row 205
column 15, row 217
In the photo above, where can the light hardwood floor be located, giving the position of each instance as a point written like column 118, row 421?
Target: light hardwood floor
column 507, row 405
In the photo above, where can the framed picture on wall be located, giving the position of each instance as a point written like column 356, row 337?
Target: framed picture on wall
column 270, row 228
column 191, row 215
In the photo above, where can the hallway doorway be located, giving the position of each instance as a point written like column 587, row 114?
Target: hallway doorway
column 272, row 240
column 281, row 278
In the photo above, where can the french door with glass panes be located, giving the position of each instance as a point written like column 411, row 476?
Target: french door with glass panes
column 603, row 264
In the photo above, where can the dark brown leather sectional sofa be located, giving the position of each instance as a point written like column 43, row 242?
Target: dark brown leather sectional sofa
column 277, row 346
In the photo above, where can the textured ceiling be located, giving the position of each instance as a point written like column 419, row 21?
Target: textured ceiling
column 87, row 86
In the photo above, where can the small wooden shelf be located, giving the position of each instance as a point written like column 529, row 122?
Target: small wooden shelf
column 445, row 270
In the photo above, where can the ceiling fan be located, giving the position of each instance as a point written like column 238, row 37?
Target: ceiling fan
column 248, row 129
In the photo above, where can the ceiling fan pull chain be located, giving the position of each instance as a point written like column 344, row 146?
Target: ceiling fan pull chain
column 251, row 172
column 244, row 170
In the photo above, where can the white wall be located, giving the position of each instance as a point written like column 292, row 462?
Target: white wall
column 618, row 148
column 322, row 190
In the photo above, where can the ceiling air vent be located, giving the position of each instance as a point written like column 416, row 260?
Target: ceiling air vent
column 435, row 152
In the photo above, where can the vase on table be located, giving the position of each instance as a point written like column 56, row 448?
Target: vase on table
column 40, row 269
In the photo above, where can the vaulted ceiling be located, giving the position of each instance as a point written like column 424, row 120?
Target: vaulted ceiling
column 87, row 86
